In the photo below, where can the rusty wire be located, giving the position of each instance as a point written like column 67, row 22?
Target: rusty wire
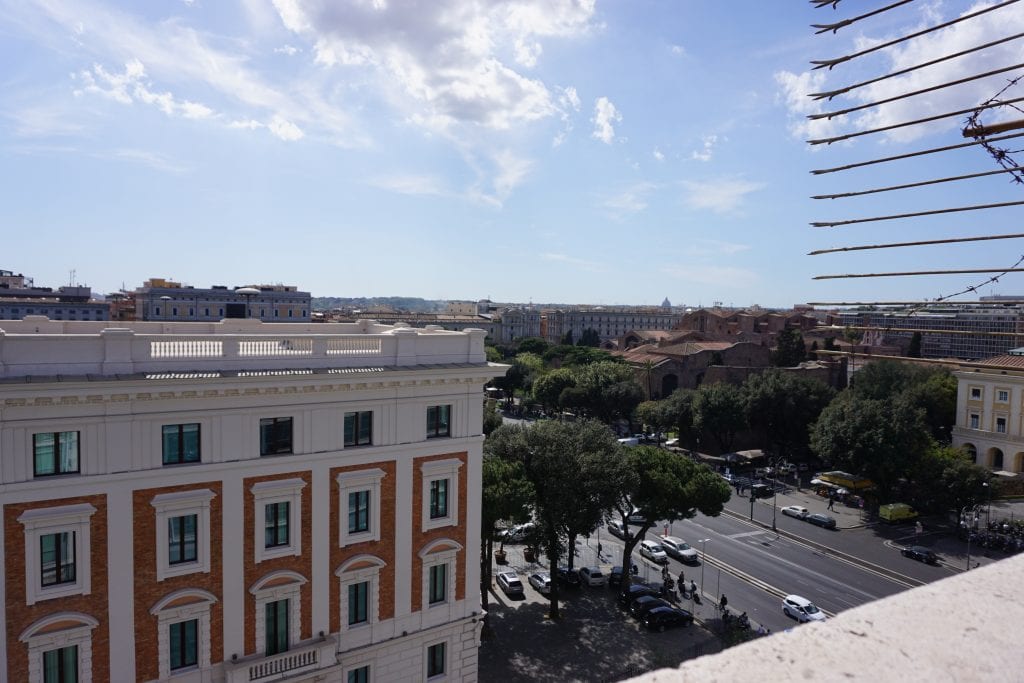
column 825, row 28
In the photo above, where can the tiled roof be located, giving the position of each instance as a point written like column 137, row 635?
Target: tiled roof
column 1004, row 361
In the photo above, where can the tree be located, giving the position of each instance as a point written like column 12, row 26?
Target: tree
column 493, row 354
column 534, row 345
column 656, row 415
column 547, row 389
column 679, row 410
column 506, row 495
column 610, row 390
column 830, row 344
column 946, row 479
column 566, row 338
column 648, row 370
column 914, row 351
column 492, row 418
column 719, row 410
column 575, row 468
column 784, row 406
column 882, row 439
column 665, row 487
column 589, row 338
column 790, row 350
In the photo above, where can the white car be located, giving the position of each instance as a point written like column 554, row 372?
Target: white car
column 653, row 551
column 801, row 609
column 671, row 443
column 510, row 583
column 541, row 581
column 796, row 511
column 592, row 576
column 679, row 549
column 518, row 533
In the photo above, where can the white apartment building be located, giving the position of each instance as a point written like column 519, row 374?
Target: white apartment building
column 240, row 501
column 989, row 413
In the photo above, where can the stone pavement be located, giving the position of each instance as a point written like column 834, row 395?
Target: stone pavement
column 595, row 640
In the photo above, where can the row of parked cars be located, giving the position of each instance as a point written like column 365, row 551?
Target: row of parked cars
column 815, row 518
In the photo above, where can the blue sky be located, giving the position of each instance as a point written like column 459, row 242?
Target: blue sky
column 530, row 150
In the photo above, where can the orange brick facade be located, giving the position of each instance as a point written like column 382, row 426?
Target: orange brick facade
column 421, row 538
column 301, row 564
column 20, row 616
column 148, row 591
column 384, row 549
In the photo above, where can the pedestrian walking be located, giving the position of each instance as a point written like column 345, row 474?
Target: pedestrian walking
column 682, row 582
column 724, row 602
column 599, row 550
column 831, row 503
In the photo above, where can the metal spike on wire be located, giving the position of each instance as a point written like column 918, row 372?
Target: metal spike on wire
column 834, row 28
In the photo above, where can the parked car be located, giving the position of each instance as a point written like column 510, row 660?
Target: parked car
column 661, row 618
column 567, row 577
column 797, row 511
column 921, row 554
column 636, row 590
column 616, row 529
column 592, row 576
column 518, row 533
column 762, row 491
column 510, row 583
column 615, row 577
column 541, row 581
column 644, row 604
column 672, row 443
column 679, row 549
column 801, row 609
column 638, row 517
column 821, row 520
column 895, row 512
column 653, row 551
column 787, row 468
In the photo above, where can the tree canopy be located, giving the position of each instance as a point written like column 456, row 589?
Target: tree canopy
column 783, row 406
column 790, row 350
column 719, row 411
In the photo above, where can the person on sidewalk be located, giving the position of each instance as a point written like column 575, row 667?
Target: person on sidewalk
column 831, row 502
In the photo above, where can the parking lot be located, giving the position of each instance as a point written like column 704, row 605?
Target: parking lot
column 594, row 640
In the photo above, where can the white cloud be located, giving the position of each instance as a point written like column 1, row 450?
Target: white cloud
column 568, row 104
column 284, row 129
column 706, row 149
column 132, row 86
column 630, row 200
column 44, row 120
column 710, row 248
column 289, row 50
column 732, row 277
column 678, row 50
column 658, row 155
column 724, row 195
column 150, row 159
column 605, row 114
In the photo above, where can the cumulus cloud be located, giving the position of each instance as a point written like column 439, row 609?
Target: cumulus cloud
column 289, row 50
column 724, row 195
column 706, row 149
column 658, row 155
column 568, row 104
column 445, row 61
column 132, row 85
column 605, row 115
column 284, row 129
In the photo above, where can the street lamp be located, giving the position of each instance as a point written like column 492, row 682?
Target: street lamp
column 969, row 516
column 703, row 559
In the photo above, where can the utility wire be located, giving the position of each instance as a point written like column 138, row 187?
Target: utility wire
column 915, row 244
column 842, row 91
column 927, row 119
column 822, row 63
column 919, row 272
column 910, row 155
column 1000, row 302
column 825, row 28
column 922, row 183
column 917, row 214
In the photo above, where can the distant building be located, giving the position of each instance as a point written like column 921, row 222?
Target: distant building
column 989, row 417
column 19, row 297
column 164, row 300
column 609, row 322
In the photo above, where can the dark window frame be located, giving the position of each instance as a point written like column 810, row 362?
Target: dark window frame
column 435, row 660
column 64, row 571
column 358, row 603
column 276, row 615
column 184, row 656
column 358, row 429
column 360, row 675
column 55, row 454
column 439, row 498
column 277, row 524
column 273, row 440
column 439, row 421
column 66, row 671
column 183, row 455
column 360, row 512
column 178, row 538
column 437, row 592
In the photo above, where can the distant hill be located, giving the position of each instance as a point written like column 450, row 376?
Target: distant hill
column 397, row 303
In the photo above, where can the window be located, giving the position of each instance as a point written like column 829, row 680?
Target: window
column 57, row 544
column 275, row 531
column 61, row 665
column 440, row 492
column 182, row 532
column 1003, row 396
column 183, row 630
column 182, row 539
column 55, row 453
column 278, row 503
column 438, row 498
column 276, row 627
column 358, row 594
column 59, row 648
column 436, row 660
column 358, row 512
column 975, row 421
column 359, row 493
column 57, row 558
column 360, row 675
column 438, row 421
column 438, row 591
column 976, row 392
column 359, row 428
column 184, row 643
column 360, row 581
column 275, row 435
column 1001, row 425
column 180, row 443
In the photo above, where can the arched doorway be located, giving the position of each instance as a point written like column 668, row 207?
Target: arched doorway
column 995, row 458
